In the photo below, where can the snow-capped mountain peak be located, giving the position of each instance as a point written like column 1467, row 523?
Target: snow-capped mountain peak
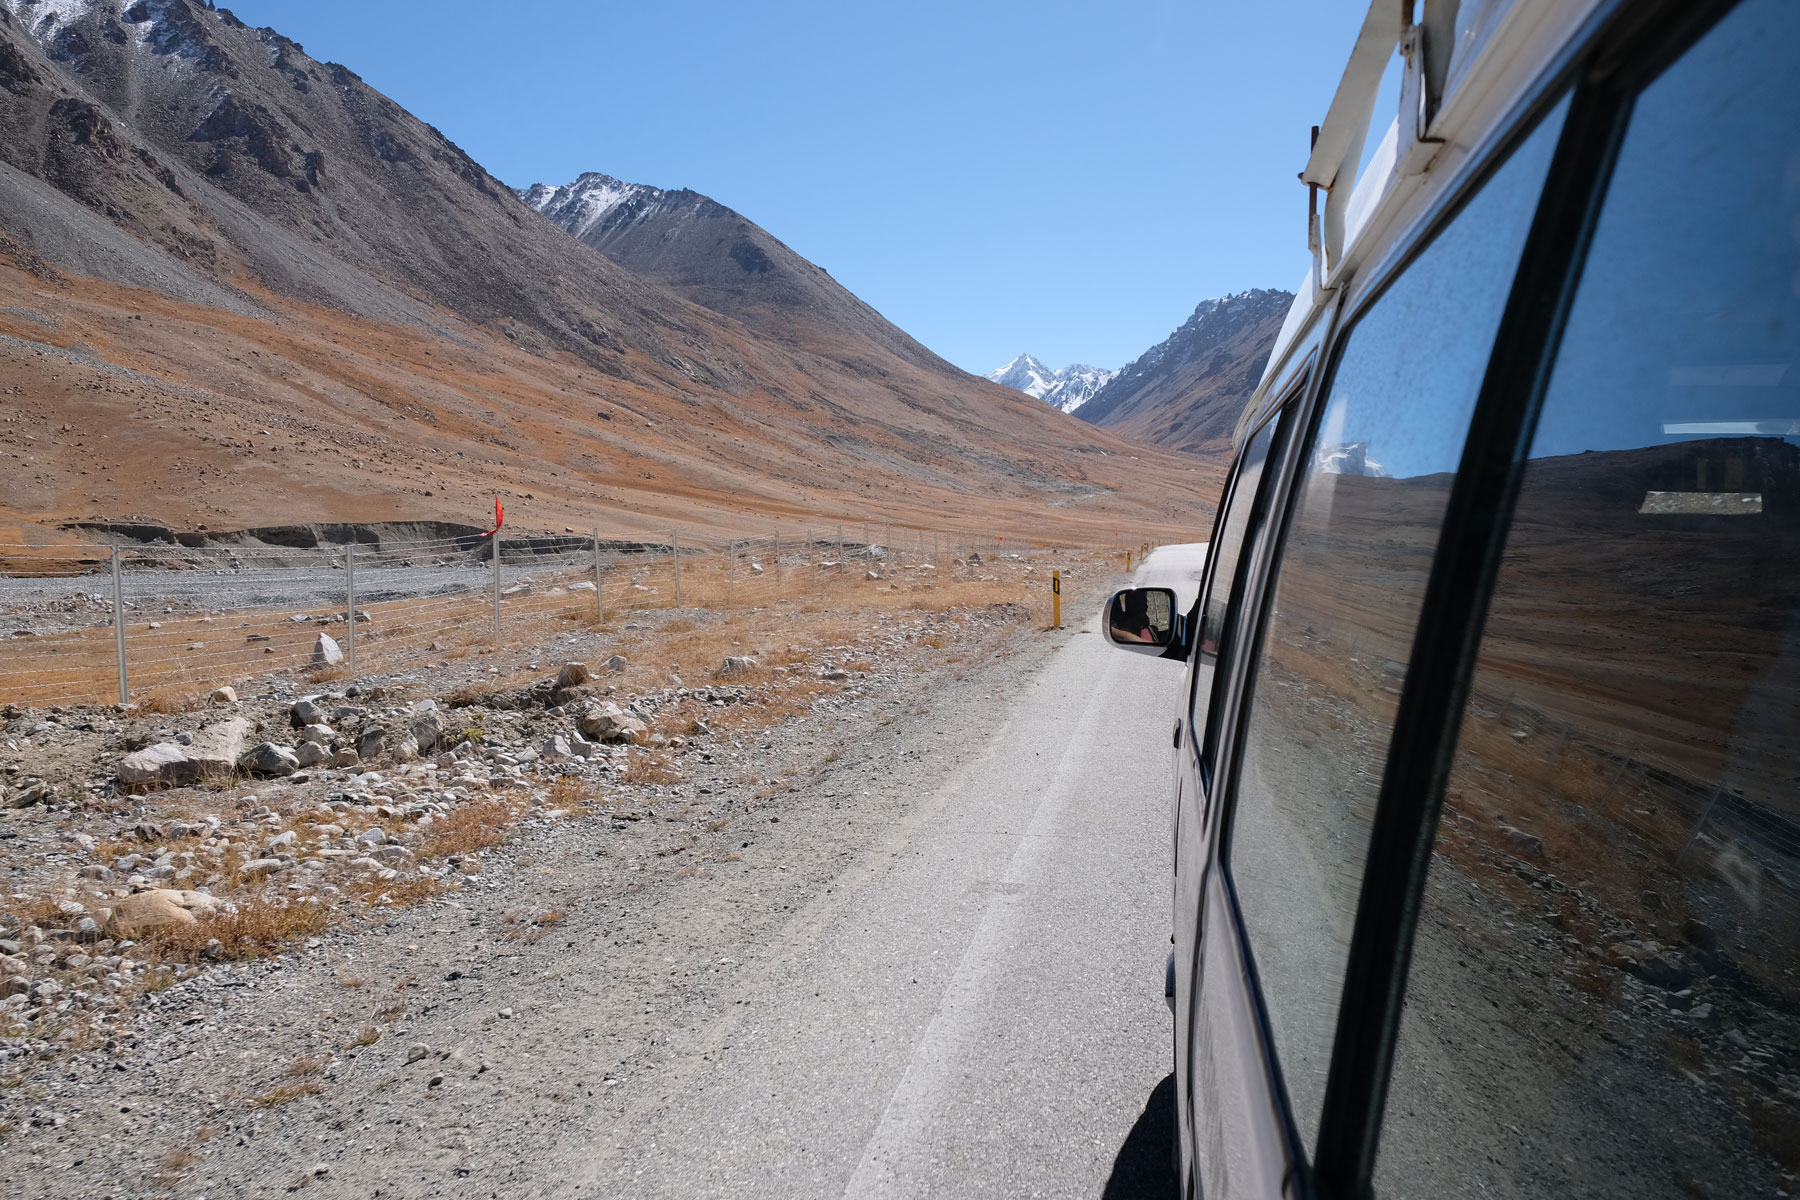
column 592, row 200
column 1067, row 389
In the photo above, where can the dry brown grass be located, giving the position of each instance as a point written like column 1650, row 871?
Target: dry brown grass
column 286, row 1093
column 171, row 1166
column 259, row 928
column 569, row 792
column 368, row 1035
column 475, row 826
column 934, row 641
column 773, row 705
column 324, row 674
column 169, row 701
column 652, row 766
column 37, row 910
column 309, row 1065
column 406, row 891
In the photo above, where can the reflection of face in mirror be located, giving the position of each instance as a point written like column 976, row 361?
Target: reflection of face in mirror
column 1142, row 615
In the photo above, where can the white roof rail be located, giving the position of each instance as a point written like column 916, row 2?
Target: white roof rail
column 1337, row 150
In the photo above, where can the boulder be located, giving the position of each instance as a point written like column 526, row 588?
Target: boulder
column 371, row 743
column 555, row 749
column 159, row 908
column 213, row 753
column 311, row 754
column 268, row 758
column 307, row 712
column 573, row 675
column 326, row 652
column 405, row 748
column 345, row 758
column 736, row 666
column 325, row 735
column 428, row 727
column 35, row 792
column 607, row 723
column 224, row 695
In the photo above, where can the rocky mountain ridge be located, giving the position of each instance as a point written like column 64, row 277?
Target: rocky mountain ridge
column 1186, row 392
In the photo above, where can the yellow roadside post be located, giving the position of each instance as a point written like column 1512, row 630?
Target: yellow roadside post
column 1056, row 599
column 1128, row 560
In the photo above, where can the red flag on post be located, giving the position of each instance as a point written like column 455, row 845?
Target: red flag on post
column 499, row 518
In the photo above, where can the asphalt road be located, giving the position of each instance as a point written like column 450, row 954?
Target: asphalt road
column 979, row 1009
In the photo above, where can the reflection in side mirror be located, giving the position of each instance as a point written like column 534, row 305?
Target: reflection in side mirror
column 1145, row 620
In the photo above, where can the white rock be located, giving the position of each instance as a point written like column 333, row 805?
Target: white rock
column 326, row 652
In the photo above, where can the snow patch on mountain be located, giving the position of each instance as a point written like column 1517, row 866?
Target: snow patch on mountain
column 1067, row 389
column 595, row 200
column 168, row 29
column 41, row 18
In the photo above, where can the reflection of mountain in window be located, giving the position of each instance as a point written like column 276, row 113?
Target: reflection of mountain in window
column 1352, row 459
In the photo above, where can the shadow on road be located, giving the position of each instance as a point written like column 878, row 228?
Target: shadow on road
column 1142, row 1171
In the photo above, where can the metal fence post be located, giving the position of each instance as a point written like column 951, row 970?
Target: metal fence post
column 350, row 594
column 599, row 584
column 496, row 585
column 675, row 553
column 119, row 627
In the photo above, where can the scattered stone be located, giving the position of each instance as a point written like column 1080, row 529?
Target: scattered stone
column 224, row 695
column 307, row 712
column 311, row 754
column 617, row 662
column 417, row 1051
column 214, row 752
column 1530, row 843
column 737, row 666
column 1663, row 973
column 607, row 723
column 324, row 735
column 428, row 727
column 262, row 868
column 371, row 743
column 268, row 758
column 834, row 675
column 555, row 749
column 345, row 758
column 326, row 652
column 573, row 675
column 35, row 792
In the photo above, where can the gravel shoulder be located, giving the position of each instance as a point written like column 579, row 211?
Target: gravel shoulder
column 498, row 1038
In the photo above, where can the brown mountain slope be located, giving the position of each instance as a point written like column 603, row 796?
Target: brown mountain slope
column 718, row 258
column 1186, row 392
column 266, row 244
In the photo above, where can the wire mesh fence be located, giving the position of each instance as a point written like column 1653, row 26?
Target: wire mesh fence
column 148, row 621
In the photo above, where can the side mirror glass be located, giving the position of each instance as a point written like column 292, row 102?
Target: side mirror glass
column 1144, row 620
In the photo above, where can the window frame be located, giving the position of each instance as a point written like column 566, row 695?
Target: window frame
column 1599, row 70
column 1628, row 48
column 1264, row 504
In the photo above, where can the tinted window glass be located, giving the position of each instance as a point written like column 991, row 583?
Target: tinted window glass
column 1236, row 528
column 1340, row 626
column 1603, row 998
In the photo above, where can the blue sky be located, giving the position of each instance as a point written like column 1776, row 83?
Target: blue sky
column 1068, row 179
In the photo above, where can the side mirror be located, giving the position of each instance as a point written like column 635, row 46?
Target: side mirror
column 1146, row 621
